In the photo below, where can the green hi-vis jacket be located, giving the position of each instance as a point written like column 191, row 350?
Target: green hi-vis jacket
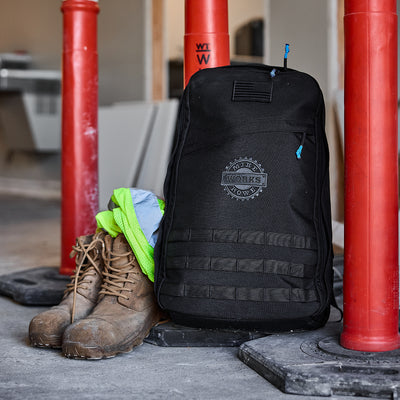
column 137, row 214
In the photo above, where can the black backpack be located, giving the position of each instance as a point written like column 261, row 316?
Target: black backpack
column 245, row 241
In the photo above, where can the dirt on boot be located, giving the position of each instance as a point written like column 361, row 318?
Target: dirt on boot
column 80, row 296
column 126, row 311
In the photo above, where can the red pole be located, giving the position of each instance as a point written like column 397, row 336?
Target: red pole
column 206, row 35
column 371, row 207
column 79, row 175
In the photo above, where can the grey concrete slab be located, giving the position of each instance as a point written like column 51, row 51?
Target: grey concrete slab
column 149, row 372
column 29, row 237
column 124, row 130
column 155, row 161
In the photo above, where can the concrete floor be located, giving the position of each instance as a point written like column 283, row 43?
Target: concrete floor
column 30, row 237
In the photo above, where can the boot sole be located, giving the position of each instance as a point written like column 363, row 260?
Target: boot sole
column 45, row 341
column 78, row 351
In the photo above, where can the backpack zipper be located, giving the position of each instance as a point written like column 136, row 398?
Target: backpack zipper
column 300, row 148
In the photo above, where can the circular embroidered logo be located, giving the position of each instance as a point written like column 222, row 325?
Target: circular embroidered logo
column 243, row 179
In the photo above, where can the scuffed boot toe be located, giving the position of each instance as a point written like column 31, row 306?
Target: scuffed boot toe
column 47, row 328
column 91, row 339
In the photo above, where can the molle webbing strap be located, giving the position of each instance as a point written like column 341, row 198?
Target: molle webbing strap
column 240, row 293
column 242, row 236
column 263, row 266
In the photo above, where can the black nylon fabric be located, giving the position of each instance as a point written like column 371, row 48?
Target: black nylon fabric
column 229, row 264
column 246, row 235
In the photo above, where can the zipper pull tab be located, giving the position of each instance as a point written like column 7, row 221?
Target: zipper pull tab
column 273, row 73
column 287, row 50
column 300, row 149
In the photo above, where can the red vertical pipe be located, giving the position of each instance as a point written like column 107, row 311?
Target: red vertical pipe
column 79, row 173
column 206, row 35
column 371, row 206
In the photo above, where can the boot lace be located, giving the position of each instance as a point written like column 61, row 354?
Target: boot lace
column 114, row 278
column 83, row 269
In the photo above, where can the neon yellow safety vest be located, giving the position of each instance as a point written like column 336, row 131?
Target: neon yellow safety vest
column 137, row 214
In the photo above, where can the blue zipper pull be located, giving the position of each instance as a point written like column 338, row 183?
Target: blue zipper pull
column 300, row 149
column 287, row 50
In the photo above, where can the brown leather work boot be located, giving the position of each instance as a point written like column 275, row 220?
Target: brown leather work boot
column 126, row 311
column 80, row 296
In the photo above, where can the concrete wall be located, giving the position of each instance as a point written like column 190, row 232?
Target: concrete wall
column 122, row 50
column 302, row 24
column 35, row 26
